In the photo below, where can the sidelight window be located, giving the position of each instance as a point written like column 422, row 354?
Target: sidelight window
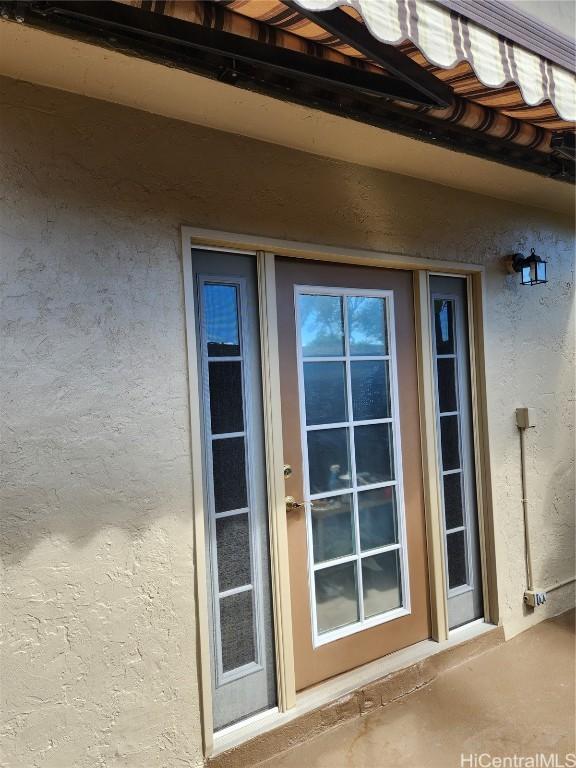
column 236, row 625
column 447, row 360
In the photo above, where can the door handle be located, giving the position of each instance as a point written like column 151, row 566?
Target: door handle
column 292, row 505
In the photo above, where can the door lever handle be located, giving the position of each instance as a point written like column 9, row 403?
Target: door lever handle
column 292, row 505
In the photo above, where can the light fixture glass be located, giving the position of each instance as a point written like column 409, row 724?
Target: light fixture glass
column 532, row 268
column 526, row 277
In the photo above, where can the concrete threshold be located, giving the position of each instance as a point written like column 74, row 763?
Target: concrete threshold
column 349, row 696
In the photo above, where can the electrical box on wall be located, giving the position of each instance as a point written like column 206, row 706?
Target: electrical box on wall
column 534, row 597
column 525, row 418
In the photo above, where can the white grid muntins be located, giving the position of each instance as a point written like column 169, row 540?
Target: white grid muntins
column 454, row 303
column 354, row 487
column 253, row 586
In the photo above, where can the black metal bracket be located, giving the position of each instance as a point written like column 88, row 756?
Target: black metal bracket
column 564, row 144
column 234, row 49
column 517, row 261
column 359, row 37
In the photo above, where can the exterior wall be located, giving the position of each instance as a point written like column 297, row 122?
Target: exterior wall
column 99, row 654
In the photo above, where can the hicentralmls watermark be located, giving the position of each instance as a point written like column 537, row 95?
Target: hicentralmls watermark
column 538, row 760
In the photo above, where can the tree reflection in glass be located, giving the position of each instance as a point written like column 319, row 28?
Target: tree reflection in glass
column 321, row 326
column 367, row 326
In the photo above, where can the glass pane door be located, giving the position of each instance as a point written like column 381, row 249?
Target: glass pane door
column 352, row 460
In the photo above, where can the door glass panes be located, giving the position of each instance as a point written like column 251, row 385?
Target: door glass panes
column 336, row 596
column 325, row 389
column 377, row 518
column 449, row 421
column 381, row 583
column 321, row 326
column 370, row 389
column 223, row 355
column 328, row 459
column 374, row 454
column 351, row 430
column 367, row 326
column 332, row 527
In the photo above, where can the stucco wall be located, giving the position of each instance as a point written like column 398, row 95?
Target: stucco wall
column 99, row 653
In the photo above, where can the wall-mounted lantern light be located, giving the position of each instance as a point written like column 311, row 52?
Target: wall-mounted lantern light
column 532, row 268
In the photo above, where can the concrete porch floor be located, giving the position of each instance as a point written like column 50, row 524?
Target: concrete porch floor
column 518, row 698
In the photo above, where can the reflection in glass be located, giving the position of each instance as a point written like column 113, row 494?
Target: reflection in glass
column 336, row 599
column 456, row 546
column 447, row 384
column 453, row 500
column 233, row 551
column 321, row 326
column 328, row 460
column 367, row 326
column 221, row 320
column 237, row 630
column 444, row 326
column 374, row 454
column 370, row 389
column 450, row 444
column 325, row 393
column 381, row 582
column 332, row 531
column 229, row 474
column 377, row 518
column 226, row 408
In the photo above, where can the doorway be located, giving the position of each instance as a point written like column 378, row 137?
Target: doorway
column 308, row 458
column 356, row 525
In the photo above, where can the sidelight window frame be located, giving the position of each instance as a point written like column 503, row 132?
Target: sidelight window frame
column 223, row 677
column 464, row 469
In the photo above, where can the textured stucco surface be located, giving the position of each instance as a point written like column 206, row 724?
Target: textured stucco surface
column 99, row 648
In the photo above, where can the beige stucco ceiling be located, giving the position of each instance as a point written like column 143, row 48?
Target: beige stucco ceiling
column 40, row 57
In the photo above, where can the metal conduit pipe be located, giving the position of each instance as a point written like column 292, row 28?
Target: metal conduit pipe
column 523, row 421
column 532, row 596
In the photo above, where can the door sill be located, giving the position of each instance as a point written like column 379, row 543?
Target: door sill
column 349, row 695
